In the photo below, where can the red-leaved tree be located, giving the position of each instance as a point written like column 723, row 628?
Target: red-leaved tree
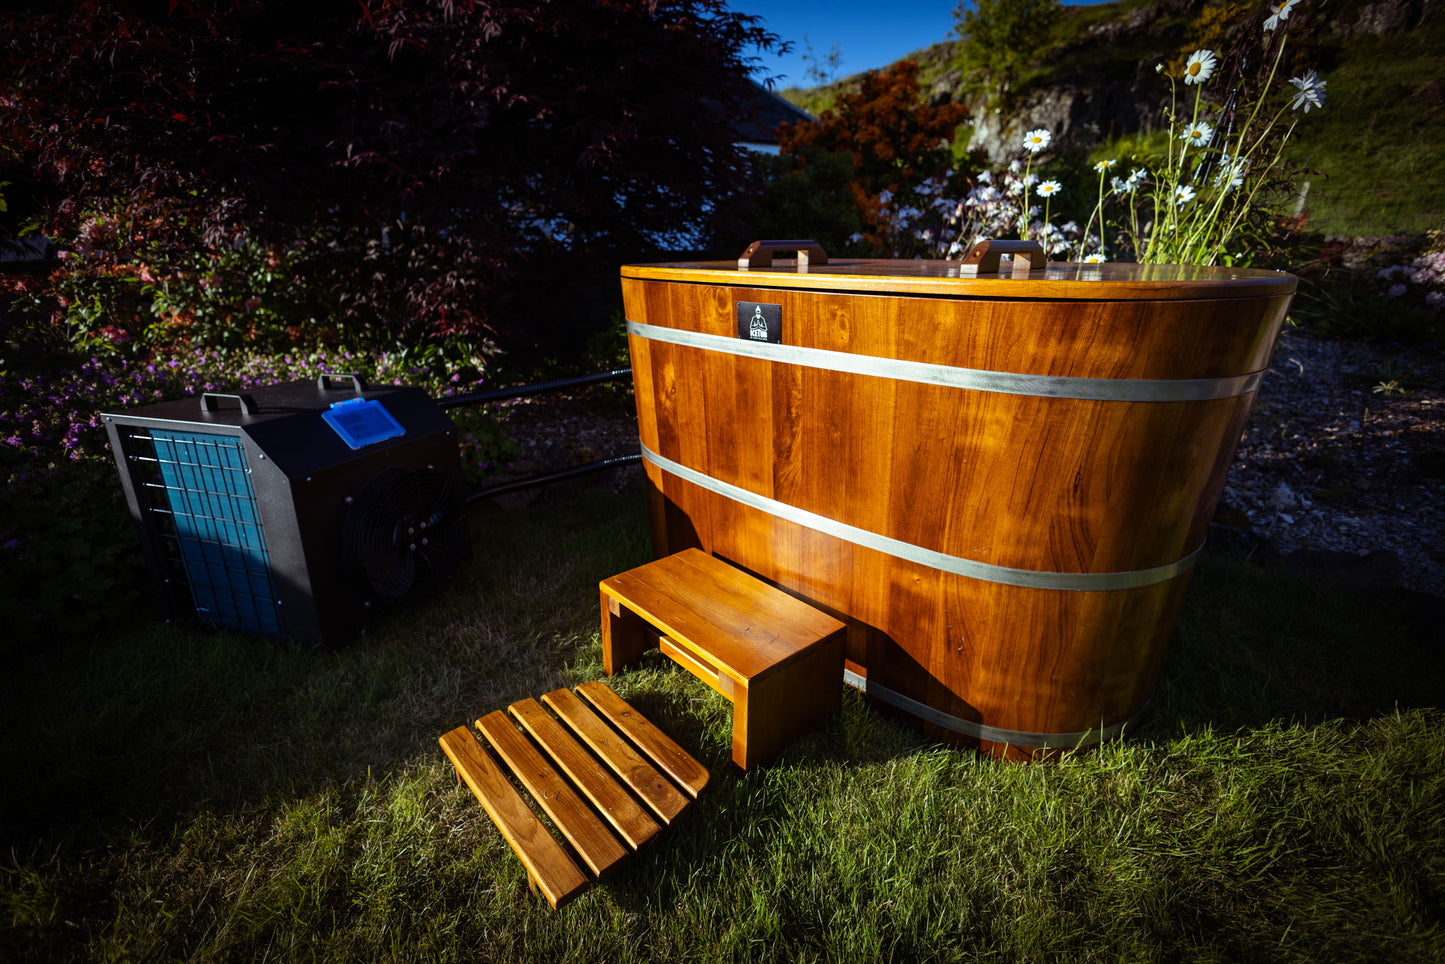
column 394, row 166
column 899, row 144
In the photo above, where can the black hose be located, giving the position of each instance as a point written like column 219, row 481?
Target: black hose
column 527, row 483
column 501, row 394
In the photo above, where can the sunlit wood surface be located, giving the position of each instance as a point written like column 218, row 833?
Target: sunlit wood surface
column 778, row 660
column 605, row 791
column 1058, row 485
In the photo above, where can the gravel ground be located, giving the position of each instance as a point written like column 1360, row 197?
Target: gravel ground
column 1334, row 458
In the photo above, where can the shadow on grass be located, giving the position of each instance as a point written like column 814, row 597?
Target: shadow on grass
column 160, row 724
column 1254, row 646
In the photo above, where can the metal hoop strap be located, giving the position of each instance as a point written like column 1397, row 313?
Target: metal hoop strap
column 1029, row 578
column 980, row 731
column 973, row 379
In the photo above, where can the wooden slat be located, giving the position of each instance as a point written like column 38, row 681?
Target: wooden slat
column 698, row 667
column 615, row 804
column 1092, row 486
column 673, row 759
column 655, row 790
column 547, row 863
column 582, row 828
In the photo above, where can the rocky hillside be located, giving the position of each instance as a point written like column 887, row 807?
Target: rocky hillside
column 1093, row 83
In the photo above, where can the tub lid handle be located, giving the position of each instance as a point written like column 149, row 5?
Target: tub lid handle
column 983, row 258
column 760, row 253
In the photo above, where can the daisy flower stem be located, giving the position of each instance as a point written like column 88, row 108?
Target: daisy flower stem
column 1024, row 211
column 1098, row 212
column 1259, row 104
column 1196, row 242
column 1244, row 208
column 1193, row 121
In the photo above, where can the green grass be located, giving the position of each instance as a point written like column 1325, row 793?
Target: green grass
column 1375, row 155
column 175, row 794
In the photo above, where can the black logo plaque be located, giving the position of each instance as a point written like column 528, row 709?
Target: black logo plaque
column 757, row 322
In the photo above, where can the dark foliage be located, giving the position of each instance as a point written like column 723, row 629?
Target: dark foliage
column 414, row 160
column 900, row 153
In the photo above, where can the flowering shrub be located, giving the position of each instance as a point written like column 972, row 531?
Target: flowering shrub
column 899, row 147
column 46, row 418
column 1427, row 272
column 428, row 158
column 1209, row 198
column 1422, row 281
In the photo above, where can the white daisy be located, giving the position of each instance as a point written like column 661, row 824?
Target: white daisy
column 1095, row 258
column 1200, row 67
column 1197, row 134
column 1278, row 12
column 1103, row 166
column 1050, row 188
column 1311, row 91
column 1035, row 141
column 1231, row 172
column 1183, row 194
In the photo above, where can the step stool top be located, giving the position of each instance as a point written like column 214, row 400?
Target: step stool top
column 745, row 625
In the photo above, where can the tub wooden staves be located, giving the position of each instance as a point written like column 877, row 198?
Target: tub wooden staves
column 999, row 480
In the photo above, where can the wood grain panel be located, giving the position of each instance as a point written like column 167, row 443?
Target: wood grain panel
column 1028, row 482
column 664, row 799
column 1201, row 338
column 1113, row 282
column 548, row 865
column 657, row 745
column 594, row 780
column 579, row 824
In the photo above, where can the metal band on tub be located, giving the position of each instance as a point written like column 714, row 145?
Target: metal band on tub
column 981, row 731
column 973, row 379
column 1028, row 578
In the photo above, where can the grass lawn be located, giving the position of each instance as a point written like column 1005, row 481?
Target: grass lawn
column 177, row 794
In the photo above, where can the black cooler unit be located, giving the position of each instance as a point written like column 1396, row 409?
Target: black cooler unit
column 293, row 510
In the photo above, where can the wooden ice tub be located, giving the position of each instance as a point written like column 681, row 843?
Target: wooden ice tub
column 1000, row 483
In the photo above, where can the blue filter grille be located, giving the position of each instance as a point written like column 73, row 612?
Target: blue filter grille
column 213, row 507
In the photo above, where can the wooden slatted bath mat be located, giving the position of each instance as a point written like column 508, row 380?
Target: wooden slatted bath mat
column 606, row 778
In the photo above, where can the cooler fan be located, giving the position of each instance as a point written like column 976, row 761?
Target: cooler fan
column 291, row 510
column 406, row 532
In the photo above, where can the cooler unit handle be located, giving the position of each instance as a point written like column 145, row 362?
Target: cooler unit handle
column 211, row 402
column 983, row 258
column 357, row 385
column 760, row 253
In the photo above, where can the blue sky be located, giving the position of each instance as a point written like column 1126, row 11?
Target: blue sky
column 869, row 34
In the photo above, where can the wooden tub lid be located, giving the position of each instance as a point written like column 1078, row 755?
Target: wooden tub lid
column 1054, row 281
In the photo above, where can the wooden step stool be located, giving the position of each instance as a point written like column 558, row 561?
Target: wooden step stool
column 633, row 777
column 779, row 660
